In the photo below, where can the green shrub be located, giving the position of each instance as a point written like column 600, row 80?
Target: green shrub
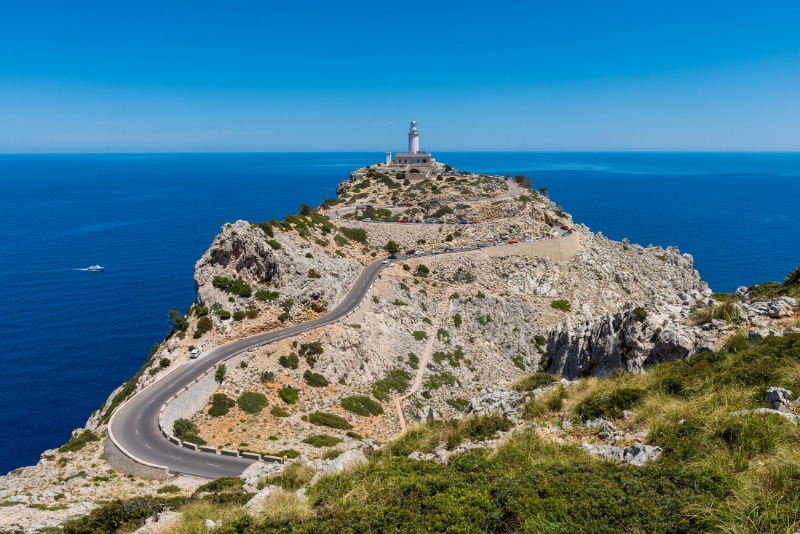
column 639, row 314
column 185, row 430
column 239, row 315
column 164, row 363
column 277, row 411
column 529, row 383
column 362, row 405
column 457, row 321
column 203, row 325
column 459, row 404
column 727, row 311
column 252, row 402
column 268, row 232
column 237, row 286
column 273, row 244
column 292, row 361
column 315, row 379
column 608, row 403
column 311, row 349
column 171, row 488
column 265, row 295
column 560, row 304
column 330, row 420
column 422, row 270
column 289, row 395
column 312, row 273
column 413, row 360
column 322, row 440
column 251, row 313
column 119, row 516
column 78, row 442
column 224, row 315
column 267, row 376
column 519, row 362
column 396, row 380
column 220, row 405
column 419, row 335
column 358, row 235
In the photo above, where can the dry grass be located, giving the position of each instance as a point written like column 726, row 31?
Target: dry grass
column 283, row 506
column 196, row 513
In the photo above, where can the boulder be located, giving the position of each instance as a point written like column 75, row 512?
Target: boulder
column 159, row 522
column 633, row 454
column 258, row 499
column 778, row 398
column 344, row 462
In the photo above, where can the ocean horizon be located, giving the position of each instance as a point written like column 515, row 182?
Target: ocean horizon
column 73, row 336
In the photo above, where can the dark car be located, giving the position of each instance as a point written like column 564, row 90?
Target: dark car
column 410, row 252
column 463, row 222
column 565, row 227
column 392, row 256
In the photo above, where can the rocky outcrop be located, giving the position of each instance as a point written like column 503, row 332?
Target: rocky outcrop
column 344, row 462
column 241, row 250
column 633, row 454
column 629, row 340
column 775, row 308
column 492, row 400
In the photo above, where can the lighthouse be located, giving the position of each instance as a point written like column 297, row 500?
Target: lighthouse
column 413, row 138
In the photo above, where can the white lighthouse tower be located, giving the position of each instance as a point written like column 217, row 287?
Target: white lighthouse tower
column 413, row 138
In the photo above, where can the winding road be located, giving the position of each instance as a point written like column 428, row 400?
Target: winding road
column 134, row 427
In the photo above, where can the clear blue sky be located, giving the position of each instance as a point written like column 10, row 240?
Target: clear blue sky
column 104, row 76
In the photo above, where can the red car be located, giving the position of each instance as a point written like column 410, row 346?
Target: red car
column 512, row 241
column 565, row 227
column 403, row 221
column 410, row 252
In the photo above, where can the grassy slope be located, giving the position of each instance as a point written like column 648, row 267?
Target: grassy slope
column 719, row 471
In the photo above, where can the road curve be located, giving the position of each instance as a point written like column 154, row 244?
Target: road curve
column 135, row 425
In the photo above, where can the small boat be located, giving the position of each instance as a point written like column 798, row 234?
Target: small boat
column 95, row 268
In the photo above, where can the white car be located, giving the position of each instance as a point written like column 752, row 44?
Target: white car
column 419, row 253
column 367, row 219
column 194, row 354
column 436, row 251
column 499, row 243
column 385, row 262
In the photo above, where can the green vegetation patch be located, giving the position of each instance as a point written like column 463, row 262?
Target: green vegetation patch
column 397, row 380
column 362, row 405
column 529, row 383
column 560, row 304
column 315, row 379
column 359, row 235
column 252, row 402
column 291, row 361
column 330, row 420
column 236, row 286
column 288, row 395
column 78, row 442
column 277, row 411
column 185, row 430
column 220, row 405
column 322, row 440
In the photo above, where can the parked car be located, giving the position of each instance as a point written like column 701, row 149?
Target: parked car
column 392, row 256
column 565, row 227
column 436, row 251
column 499, row 243
column 367, row 219
column 194, row 354
column 403, row 221
column 440, row 221
column 482, row 245
column 463, row 222
column 434, row 202
column 512, row 241
column 385, row 262
column 389, row 205
column 419, row 253
column 410, row 252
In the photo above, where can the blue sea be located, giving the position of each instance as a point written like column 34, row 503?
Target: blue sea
column 69, row 337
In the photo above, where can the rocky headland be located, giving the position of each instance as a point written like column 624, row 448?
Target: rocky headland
column 520, row 331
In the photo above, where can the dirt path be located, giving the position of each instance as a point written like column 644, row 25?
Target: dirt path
column 441, row 311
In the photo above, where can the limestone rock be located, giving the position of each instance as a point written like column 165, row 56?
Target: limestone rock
column 159, row 522
column 778, row 398
column 633, row 454
column 258, row 499
column 345, row 461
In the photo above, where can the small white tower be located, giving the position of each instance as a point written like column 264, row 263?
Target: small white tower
column 388, row 158
column 413, row 139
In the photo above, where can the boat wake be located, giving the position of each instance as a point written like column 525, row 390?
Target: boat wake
column 92, row 269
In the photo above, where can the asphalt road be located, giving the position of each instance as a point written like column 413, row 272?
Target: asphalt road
column 135, row 425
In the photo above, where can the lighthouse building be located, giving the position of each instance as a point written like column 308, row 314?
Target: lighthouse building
column 414, row 155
